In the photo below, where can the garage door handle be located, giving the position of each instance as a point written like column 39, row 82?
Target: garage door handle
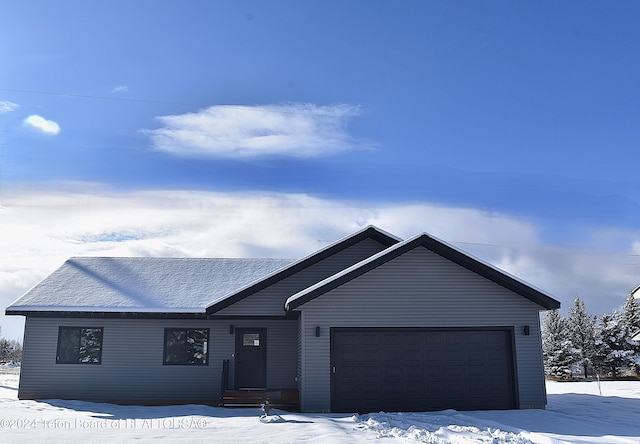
column 333, row 370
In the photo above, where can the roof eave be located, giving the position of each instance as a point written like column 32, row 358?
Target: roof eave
column 106, row 314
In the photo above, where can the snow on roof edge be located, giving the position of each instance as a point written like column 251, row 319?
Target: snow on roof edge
column 38, row 283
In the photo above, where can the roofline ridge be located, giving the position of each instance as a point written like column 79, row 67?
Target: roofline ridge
column 403, row 244
column 306, row 258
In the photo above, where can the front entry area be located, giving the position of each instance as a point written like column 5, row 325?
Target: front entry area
column 251, row 358
column 251, row 384
column 403, row 369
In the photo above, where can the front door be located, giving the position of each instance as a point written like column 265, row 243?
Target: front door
column 251, row 358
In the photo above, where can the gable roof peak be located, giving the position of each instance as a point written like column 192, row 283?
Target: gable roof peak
column 370, row 231
column 439, row 247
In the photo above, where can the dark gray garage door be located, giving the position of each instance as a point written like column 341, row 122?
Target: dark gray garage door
column 421, row 369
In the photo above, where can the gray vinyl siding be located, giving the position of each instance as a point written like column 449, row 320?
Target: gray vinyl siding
column 420, row 289
column 270, row 301
column 300, row 353
column 132, row 367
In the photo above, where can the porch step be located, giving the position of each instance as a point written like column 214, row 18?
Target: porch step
column 287, row 399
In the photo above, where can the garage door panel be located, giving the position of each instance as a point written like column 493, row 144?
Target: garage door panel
column 422, row 369
column 413, row 373
column 455, row 371
column 435, row 371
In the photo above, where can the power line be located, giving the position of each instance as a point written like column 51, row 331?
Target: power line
column 574, row 251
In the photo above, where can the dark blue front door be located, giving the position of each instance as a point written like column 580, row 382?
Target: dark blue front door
column 251, row 358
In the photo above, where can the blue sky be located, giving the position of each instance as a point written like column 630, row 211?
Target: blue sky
column 508, row 128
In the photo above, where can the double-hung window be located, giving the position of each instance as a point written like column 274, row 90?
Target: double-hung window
column 186, row 346
column 79, row 345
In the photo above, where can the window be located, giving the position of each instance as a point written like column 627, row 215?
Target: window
column 251, row 339
column 79, row 345
column 184, row 346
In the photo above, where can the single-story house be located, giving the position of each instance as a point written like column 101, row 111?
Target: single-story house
column 368, row 323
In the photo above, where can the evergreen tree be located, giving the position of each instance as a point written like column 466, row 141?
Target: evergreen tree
column 631, row 314
column 612, row 350
column 557, row 349
column 582, row 334
column 631, row 321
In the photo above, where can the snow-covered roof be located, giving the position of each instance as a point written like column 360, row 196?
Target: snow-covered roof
column 204, row 286
column 153, row 285
column 438, row 246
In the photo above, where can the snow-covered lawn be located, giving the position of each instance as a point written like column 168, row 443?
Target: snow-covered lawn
column 576, row 413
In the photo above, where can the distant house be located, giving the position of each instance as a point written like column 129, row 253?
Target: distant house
column 369, row 323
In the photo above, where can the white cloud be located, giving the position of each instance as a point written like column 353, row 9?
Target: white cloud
column 295, row 130
column 7, row 107
column 42, row 228
column 42, row 125
column 119, row 89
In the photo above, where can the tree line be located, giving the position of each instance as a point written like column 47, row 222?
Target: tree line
column 10, row 351
column 581, row 344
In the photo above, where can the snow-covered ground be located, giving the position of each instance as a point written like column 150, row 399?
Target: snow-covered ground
column 577, row 412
